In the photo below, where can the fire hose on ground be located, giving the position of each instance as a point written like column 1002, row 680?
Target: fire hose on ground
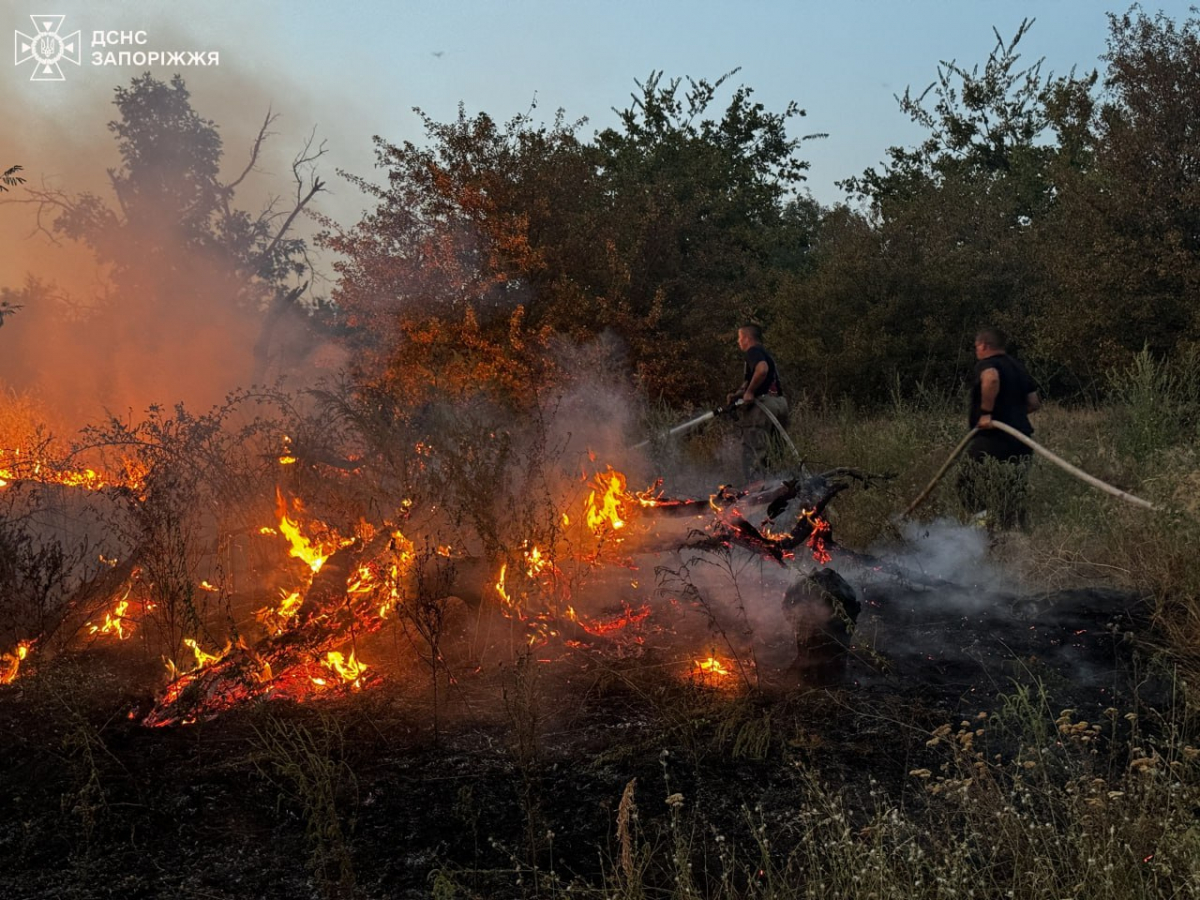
column 1041, row 451
column 954, row 454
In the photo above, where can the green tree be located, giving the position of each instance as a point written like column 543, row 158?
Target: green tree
column 667, row 230
column 1123, row 248
column 171, row 201
column 947, row 238
column 446, row 285
column 172, row 237
column 704, row 224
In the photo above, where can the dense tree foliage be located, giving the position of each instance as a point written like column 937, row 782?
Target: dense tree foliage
column 1061, row 207
column 947, row 241
column 1122, row 253
column 667, row 230
column 1064, row 208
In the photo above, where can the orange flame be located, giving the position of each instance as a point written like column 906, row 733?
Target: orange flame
column 350, row 670
column 712, row 667
column 537, row 562
column 299, row 546
column 606, row 512
column 818, row 537
column 277, row 619
column 45, row 471
column 500, row 585
column 10, row 663
column 203, row 659
column 114, row 622
column 290, row 605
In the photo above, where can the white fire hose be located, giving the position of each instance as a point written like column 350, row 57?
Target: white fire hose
column 1041, row 451
column 701, row 419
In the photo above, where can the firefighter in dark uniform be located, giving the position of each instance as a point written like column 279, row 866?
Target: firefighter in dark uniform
column 1001, row 392
column 760, row 389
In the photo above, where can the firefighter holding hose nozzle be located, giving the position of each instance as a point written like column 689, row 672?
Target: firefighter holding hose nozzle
column 760, row 389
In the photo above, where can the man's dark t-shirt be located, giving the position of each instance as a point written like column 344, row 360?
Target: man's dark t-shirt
column 1015, row 385
column 756, row 354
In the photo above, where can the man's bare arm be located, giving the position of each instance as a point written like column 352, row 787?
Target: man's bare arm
column 759, row 376
column 989, row 390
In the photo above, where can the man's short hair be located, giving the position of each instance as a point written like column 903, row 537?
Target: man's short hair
column 993, row 337
column 754, row 331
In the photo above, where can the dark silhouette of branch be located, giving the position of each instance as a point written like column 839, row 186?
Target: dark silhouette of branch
column 10, row 178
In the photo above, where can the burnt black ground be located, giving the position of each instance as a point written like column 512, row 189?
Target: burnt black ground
column 94, row 805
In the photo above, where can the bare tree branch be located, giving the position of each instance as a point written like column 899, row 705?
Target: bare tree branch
column 263, row 134
column 314, row 186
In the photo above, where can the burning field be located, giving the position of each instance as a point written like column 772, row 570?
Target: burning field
column 353, row 651
column 437, row 603
column 258, row 567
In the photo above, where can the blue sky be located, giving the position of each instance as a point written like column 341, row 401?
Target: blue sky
column 357, row 69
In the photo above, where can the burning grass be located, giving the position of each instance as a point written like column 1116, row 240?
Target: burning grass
column 419, row 628
column 191, row 563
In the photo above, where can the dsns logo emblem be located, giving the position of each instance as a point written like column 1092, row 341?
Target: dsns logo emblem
column 47, row 48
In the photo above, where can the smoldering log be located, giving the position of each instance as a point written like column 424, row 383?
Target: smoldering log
column 822, row 609
column 730, row 527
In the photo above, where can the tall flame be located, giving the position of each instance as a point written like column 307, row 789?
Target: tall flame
column 500, row 585
column 606, row 511
column 300, row 547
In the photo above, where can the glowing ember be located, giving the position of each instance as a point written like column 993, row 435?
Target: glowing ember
column 10, row 663
column 603, row 628
column 606, row 511
column 818, row 537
